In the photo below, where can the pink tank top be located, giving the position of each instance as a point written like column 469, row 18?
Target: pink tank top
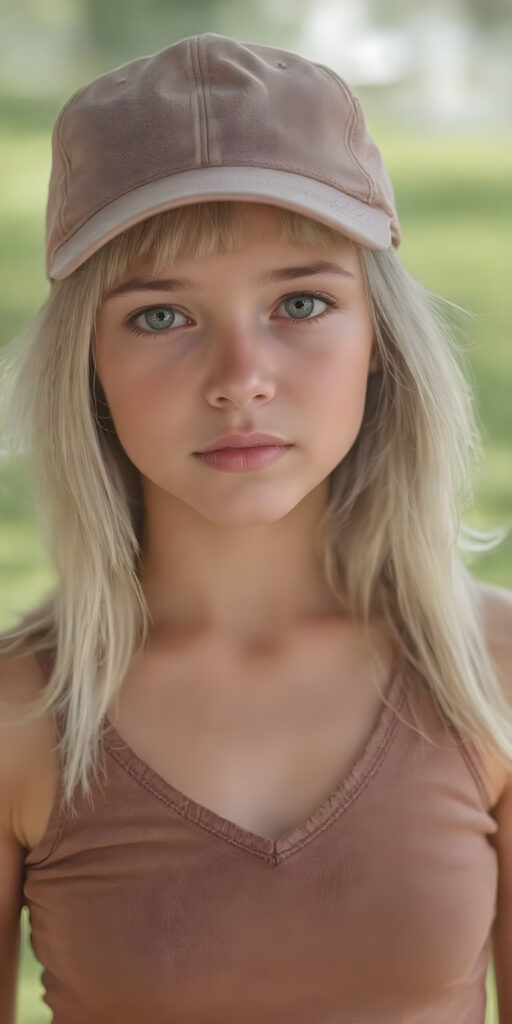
column 377, row 909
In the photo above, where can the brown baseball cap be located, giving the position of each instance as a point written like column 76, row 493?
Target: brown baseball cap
column 211, row 118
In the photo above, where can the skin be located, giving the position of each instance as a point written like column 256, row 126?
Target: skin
column 235, row 552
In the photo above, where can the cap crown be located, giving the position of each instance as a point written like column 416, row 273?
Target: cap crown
column 208, row 101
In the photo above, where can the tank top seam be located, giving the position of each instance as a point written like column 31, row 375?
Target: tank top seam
column 58, row 817
column 53, row 832
column 364, row 779
column 468, row 754
column 61, row 824
column 169, row 802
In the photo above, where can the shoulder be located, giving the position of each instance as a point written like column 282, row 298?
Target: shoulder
column 496, row 605
column 27, row 750
column 21, row 680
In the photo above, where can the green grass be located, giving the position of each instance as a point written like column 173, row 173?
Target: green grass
column 454, row 202
column 30, row 1007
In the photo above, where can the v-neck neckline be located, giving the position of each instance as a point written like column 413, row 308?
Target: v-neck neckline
column 274, row 850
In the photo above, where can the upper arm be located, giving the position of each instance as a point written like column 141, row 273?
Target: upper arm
column 11, row 898
column 502, row 927
column 499, row 615
column 12, row 852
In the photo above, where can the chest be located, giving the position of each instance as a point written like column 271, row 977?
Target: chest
column 260, row 742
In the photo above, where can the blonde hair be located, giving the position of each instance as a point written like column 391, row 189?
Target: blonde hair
column 392, row 531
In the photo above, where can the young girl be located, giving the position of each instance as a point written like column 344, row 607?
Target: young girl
column 256, row 758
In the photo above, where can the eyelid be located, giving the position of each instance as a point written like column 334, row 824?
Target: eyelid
column 289, row 295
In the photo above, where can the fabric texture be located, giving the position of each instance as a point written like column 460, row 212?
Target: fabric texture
column 212, row 118
column 376, row 910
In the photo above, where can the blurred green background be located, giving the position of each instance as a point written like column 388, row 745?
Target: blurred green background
column 444, row 129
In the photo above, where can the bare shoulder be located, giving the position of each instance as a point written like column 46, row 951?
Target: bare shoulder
column 28, row 764
column 497, row 606
column 497, row 613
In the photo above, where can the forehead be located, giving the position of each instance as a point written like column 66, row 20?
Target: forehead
column 196, row 241
column 260, row 239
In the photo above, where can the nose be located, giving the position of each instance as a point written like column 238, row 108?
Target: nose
column 242, row 369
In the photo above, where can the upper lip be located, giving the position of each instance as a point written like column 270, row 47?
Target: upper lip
column 243, row 441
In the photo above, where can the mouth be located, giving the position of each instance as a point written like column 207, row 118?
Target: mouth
column 237, row 460
column 244, row 441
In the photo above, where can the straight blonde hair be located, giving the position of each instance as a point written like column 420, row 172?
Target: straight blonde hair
column 392, row 535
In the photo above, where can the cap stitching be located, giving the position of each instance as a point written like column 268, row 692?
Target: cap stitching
column 354, row 107
column 66, row 168
column 205, row 95
column 146, row 181
column 194, row 114
column 64, row 157
column 199, row 98
column 357, row 109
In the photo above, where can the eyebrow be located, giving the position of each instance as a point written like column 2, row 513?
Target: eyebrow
column 280, row 274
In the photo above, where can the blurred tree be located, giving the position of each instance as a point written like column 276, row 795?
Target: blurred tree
column 487, row 14
column 55, row 45
column 129, row 29
column 126, row 29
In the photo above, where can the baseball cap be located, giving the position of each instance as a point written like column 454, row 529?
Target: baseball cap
column 212, row 118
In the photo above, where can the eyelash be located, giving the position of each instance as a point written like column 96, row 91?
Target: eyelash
column 130, row 322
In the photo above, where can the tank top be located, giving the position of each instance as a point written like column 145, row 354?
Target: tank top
column 378, row 909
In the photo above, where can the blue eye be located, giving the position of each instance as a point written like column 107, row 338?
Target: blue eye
column 159, row 318
column 162, row 319
column 302, row 304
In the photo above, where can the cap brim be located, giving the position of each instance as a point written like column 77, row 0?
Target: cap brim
column 365, row 224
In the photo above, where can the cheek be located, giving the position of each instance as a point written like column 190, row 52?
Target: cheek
column 146, row 408
column 339, row 414
column 336, row 381
column 334, row 393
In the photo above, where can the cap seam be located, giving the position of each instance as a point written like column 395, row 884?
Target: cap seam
column 66, row 168
column 64, row 157
column 372, row 198
column 345, row 194
column 158, row 177
column 198, row 97
column 204, row 82
column 194, row 112
column 354, row 107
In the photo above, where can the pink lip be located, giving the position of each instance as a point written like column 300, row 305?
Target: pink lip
column 241, row 460
column 249, row 440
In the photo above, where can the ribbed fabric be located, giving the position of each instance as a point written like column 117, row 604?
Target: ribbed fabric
column 151, row 909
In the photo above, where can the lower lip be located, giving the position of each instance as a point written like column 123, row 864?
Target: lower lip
column 239, row 460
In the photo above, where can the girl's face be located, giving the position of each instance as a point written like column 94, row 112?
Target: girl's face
column 226, row 349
